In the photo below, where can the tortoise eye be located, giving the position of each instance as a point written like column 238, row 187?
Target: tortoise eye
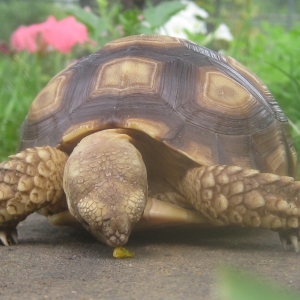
column 106, row 219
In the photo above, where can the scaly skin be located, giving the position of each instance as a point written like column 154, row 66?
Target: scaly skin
column 29, row 181
column 105, row 181
column 245, row 197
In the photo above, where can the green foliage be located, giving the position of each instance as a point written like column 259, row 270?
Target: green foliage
column 160, row 14
column 14, row 13
column 101, row 29
column 233, row 13
column 277, row 6
column 238, row 285
column 111, row 22
column 273, row 55
column 22, row 77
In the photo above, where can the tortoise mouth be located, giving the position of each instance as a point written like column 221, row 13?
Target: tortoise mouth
column 117, row 240
column 114, row 231
column 108, row 236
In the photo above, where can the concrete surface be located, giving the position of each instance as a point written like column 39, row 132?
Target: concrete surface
column 171, row 263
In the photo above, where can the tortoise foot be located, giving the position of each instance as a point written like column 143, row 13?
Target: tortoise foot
column 9, row 236
column 290, row 237
column 30, row 180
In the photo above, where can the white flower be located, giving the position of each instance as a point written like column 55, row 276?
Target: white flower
column 185, row 20
column 223, row 33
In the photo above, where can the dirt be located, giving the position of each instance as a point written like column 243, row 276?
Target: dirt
column 171, row 263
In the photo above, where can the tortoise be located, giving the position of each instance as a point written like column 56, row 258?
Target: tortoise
column 152, row 131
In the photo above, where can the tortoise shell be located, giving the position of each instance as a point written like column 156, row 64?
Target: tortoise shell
column 200, row 103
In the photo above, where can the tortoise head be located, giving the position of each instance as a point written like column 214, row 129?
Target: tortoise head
column 104, row 215
column 106, row 186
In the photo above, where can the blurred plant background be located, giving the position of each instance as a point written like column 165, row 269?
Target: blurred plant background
column 262, row 35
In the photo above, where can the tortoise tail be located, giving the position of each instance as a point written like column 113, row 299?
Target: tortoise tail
column 29, row 181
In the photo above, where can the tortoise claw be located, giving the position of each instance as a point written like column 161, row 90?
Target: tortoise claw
column 283, row 241
column 294, row 241
column 289, row 238
column 9, row 236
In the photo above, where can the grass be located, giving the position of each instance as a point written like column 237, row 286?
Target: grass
column 22, row 76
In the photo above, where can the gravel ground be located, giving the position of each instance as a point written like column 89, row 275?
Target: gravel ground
column 171, row 263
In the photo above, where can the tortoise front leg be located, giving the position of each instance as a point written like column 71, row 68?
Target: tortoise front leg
column 29, row 181
column 245, row 197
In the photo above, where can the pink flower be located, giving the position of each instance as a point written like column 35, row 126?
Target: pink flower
column 61, row 35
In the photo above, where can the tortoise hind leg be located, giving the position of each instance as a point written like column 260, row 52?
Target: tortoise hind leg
column 29, row 181
column 158, row 213
column 245, row 197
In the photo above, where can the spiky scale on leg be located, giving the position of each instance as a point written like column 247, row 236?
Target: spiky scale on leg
column 29, row 181
column 245, row 197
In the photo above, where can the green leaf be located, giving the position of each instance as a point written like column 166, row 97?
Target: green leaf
column 87, row 18
column 101, row 27
column 114, row 11
column 158, row 15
